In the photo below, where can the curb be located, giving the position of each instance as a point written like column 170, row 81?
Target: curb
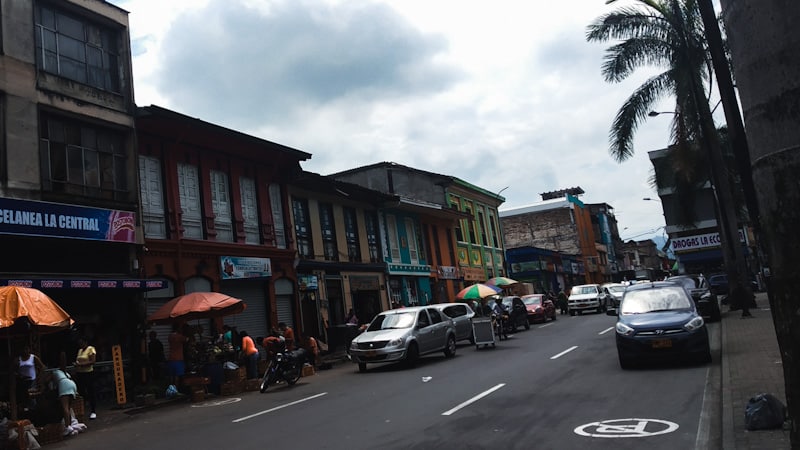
column 728, row 431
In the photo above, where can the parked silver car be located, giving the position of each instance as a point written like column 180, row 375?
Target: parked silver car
column 404, row 334
column 461, row 315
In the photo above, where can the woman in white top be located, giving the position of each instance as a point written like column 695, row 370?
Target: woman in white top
column 28, row 367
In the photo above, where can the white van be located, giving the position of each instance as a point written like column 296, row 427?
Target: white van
column 587, row 297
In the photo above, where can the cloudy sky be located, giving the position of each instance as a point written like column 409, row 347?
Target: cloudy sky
column 506, row 95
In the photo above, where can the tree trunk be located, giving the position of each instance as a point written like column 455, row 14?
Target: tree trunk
column 764, row 38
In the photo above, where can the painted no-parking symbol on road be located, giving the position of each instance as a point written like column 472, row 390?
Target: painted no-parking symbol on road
column 626, row 428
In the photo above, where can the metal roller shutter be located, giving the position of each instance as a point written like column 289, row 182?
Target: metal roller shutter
column 254, row 318
column 284, row 295
column 154, row 300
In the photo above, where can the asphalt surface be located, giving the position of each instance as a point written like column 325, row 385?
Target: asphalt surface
column 556, row 386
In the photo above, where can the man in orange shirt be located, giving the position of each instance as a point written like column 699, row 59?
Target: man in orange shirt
column 288, row 334
column 175, row 364
column 251, row 355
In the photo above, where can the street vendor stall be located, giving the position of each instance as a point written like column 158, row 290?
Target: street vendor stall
column 25, row 314
column 204, row 354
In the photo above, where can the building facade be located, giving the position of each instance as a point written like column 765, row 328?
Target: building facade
column 216, row 217
column 560, row 223
column 340, row 254
column 462, row 237
column 68, row 182
column 691, row 222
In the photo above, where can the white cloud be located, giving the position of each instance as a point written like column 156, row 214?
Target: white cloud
column 503, row 93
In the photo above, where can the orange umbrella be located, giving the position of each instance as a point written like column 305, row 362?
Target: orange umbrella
column 44, row 314
column 197, row 305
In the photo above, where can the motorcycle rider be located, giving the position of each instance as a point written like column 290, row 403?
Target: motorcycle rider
column 500, row 311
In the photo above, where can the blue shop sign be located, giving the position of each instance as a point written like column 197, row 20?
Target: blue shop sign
column 34, row 218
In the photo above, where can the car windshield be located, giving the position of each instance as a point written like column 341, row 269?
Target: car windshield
column 579, row 290
column 392, row 321
column 616, row 289
column 532, row 300
column 668, row 298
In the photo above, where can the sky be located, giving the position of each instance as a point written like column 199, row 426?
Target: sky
column 507, row 95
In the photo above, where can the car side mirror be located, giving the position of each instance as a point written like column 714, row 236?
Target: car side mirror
column 612, row 312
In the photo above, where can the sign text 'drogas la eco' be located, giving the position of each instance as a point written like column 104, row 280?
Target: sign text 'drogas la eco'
column 700, row 241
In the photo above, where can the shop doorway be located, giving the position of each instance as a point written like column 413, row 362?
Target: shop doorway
column 366, row 305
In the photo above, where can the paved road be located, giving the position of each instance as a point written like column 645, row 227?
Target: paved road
column 549, row 387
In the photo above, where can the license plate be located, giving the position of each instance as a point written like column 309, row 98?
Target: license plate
column 662, row 343
column 370, row 353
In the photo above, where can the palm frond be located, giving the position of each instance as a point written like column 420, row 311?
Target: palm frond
column 633, row 111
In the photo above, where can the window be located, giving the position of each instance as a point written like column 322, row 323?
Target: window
column 351, row 234
column 371, row 225
column 152, row 195
column 493, row 224
column 277, row 215
column 330, row 250
column 391, row 231
column 247, row 187
column 189, row 193
column 82, row 159
column 482, row 227
column 302, row 228
column 411, row 235
column 221, row 205
column 435, row 316
column 74, row 48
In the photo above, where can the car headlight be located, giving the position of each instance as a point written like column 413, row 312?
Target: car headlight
column 694, row 324
column 395, row 342
column 624, row 329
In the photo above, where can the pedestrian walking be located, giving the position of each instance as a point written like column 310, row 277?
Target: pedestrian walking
column 84, row 374
column 562, row 302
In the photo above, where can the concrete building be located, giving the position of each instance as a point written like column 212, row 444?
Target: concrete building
column 691, row 221
column 560, row 223
column 68, row 184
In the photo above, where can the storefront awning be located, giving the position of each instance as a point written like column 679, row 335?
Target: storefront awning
column 136, row 284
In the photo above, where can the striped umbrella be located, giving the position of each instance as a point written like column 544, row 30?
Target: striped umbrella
column 477, row 291
column 501, row 281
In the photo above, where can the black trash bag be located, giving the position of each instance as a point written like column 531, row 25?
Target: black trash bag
column 764, row 412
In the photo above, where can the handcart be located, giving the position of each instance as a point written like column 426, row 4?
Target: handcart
column 483, row 331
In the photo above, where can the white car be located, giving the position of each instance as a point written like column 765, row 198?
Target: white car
column 587, row 297
column 614, row 292
column 404, row 334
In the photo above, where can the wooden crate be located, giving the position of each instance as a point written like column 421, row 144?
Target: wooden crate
column 79, row 408
column 198, row 395
column 253, row 384
column 239, row 374
column 231, row 387
column 308, row 370
column 52, row 432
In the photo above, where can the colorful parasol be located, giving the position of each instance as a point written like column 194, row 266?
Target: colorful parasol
column 501, row 281
column 477, row 291
column 197, row 305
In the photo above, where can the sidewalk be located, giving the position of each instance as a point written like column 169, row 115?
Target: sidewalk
column 751, row 365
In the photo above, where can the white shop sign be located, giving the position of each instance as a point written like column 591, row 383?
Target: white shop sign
column 700, row 241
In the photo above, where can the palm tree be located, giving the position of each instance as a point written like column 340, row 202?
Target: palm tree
column 670, row 34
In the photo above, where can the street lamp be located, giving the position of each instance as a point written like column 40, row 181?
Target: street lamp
column 656, row 113
column 651, row 199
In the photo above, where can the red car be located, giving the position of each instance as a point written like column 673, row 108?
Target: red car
column 539, row 307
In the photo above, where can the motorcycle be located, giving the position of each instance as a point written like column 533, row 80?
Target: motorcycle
column 284, row 365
